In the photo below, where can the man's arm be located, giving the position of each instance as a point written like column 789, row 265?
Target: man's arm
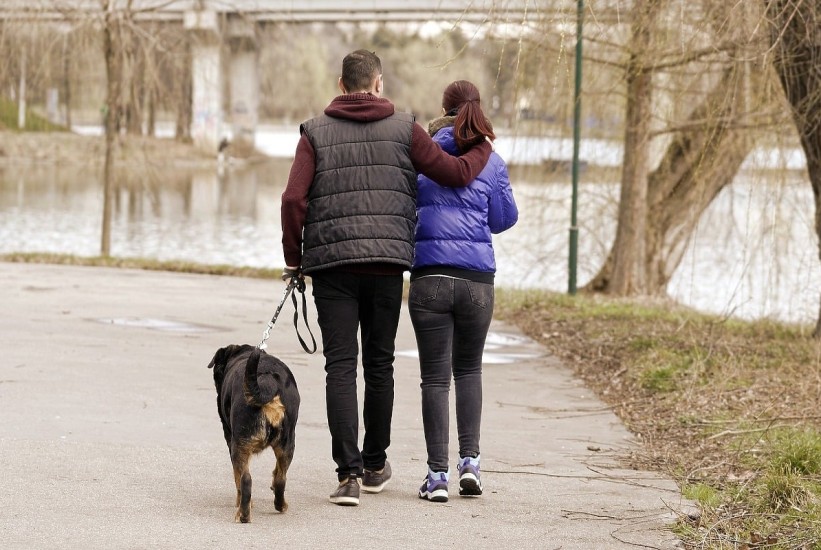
column 295, row 201
column 429, row 159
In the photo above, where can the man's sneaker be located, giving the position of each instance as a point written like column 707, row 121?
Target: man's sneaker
column 375, row 480
column 347, row 494
column 470, row 484
column 435, row 486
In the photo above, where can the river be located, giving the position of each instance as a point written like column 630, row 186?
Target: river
column 753, row 255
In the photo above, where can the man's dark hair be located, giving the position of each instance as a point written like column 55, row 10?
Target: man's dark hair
column 359, row 68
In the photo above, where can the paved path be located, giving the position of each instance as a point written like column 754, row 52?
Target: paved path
column 110, row 436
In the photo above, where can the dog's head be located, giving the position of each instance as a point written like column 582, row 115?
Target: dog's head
column 221, row 359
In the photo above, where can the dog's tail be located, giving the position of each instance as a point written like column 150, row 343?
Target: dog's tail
column 271, row 405
column 253, row 393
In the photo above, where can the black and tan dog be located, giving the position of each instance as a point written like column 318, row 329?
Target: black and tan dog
column 258, row 404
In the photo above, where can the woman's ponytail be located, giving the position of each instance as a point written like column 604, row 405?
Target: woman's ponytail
column 471, row 126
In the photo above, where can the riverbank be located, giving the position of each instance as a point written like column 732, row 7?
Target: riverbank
column 727, row 408
column 66, row 148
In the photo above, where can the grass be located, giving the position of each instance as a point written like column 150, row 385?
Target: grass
column 34, row 122
column 142, row 263
column 729, row 409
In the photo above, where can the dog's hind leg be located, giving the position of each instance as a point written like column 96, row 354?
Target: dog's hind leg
column 242, row 477
column 284, row 458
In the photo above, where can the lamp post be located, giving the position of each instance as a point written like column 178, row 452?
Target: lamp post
column 577, row 113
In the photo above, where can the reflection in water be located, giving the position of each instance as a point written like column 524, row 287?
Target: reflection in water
column 754, row 253
column 196, row 216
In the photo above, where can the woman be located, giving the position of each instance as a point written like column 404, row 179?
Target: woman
column 451, row 291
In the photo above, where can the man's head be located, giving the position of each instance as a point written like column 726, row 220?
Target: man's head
column 361, row 72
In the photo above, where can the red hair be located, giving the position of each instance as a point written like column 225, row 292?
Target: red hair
column 471, row 125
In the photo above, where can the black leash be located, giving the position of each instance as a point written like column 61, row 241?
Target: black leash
column 299, row 284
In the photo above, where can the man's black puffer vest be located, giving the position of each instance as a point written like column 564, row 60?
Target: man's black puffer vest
column 362, row 203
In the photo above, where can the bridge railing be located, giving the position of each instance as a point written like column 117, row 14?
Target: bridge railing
column 474, row 11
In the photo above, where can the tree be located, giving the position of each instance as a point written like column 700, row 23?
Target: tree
column 660, row 208
column 112, row 104
column 794, row 29
column 629, row 249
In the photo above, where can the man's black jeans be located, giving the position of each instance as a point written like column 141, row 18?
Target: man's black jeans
column 346, row 302
column 451, row 318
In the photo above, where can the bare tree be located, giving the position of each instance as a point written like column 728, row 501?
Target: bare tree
column 113, row 67
column 795, row 26
column 629, row 250
column 660, row 207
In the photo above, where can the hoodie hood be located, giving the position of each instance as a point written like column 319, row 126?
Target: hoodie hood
column 360, row 107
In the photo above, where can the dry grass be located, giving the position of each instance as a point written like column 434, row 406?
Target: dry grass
column 729, row 409
column 142, row 263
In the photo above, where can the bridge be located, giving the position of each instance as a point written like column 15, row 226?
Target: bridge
column 212, row 23
column 475, row 11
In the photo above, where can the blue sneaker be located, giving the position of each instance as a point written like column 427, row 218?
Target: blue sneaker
column 470, row 483
column 435, row 486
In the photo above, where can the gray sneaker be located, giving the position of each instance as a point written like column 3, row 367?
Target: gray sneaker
column 375, row 480
column 347, row 494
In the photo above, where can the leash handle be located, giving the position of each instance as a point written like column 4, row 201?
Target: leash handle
column 267, row 332
column 300, row 286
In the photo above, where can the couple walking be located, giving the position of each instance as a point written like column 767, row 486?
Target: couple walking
column 355, row 217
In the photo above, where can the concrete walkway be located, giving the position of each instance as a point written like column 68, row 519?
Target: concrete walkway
column 110, row 436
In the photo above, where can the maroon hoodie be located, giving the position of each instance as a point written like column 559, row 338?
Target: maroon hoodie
column 427, row 157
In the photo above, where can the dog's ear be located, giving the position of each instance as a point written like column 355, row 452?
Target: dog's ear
column 219, row 358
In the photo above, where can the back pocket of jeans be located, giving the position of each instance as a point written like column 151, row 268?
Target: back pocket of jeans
column 481, row 294
column 424, row 290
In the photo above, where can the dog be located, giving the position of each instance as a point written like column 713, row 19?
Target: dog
column 258, row 404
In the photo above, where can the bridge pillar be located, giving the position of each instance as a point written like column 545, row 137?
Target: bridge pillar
column 206, row 74
column 243, row 83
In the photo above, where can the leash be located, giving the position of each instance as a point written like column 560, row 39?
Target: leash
column 297, row 283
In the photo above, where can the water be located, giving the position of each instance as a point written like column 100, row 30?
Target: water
column 754, row 254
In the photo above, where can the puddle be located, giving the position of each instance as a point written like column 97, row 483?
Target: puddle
column 157, row 324
column 495, row 341
column 487, row 358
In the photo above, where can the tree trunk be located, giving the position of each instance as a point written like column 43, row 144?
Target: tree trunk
column 184, row 97
column 67, row 79
column 696, row 166
column 132, row 81
column 112, row 71
column 797, row 57
column 151, row 110
column 627, row 275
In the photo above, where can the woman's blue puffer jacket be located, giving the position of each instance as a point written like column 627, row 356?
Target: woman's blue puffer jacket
column 454, row 225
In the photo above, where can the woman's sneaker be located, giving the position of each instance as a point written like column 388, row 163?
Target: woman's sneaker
column 470, row 483
column 435, row 486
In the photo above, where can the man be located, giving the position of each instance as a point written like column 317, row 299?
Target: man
column 348, row 218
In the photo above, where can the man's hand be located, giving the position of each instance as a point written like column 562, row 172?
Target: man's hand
column 290, row 272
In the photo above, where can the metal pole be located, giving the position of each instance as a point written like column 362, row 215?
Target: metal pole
column 577, row 115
